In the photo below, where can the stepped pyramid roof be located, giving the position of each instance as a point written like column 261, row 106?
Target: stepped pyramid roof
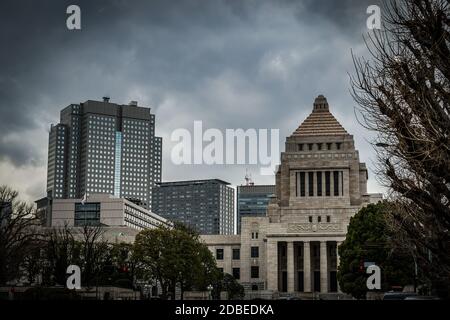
column 320, row 122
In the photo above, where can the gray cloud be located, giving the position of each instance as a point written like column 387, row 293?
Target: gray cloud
column 249, row 64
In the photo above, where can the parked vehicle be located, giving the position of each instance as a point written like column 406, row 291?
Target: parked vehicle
column 398, row 295
column 422, row 298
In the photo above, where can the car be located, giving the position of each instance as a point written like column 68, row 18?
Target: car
column 422, row 298
column 398, row 295
column 289, row 298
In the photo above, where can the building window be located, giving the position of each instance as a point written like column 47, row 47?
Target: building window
column 254, row 252
column 328, row 218
column 315, row 251
column 311, row 184
column 327, row 184
column 299, row 251
column 254, row 287
column 328, row 146
column 237, row 273
column 310, row 219
column 87, row 214
column 319, row 184
column 254, row 272
column 338, row 145
column 302, row 184
column 319, row 219
column 300, row 147
column 336, row 183
column 236, row 254
column 310, row 146
column 219, row 254
column 254, row 235
column 319, row 146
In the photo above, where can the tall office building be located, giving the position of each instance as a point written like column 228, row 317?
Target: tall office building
column 205, row 205
column 103, row 147
column 252, row 201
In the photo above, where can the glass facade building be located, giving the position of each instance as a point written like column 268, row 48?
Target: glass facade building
column 205, row 205
column 106, row 148
column 252, row 200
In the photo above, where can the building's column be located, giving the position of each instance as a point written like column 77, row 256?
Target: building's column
column 272, row 264
column 338, row 243
column 331, row 184
column 339, row 184
column 338, row 193
column 290, row 267
column 323, row 267
column 306, row 184
column 227, row 257
column 323, row 184
column 306, row 266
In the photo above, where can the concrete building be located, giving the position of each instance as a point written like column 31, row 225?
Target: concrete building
column 206, row 205
column 252, row 201
column 103, row 147
column 119, row 216
column 320, row 184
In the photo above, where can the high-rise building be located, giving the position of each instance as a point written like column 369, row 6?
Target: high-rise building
column 103, row 147
column 252, row 201
column 205, row 205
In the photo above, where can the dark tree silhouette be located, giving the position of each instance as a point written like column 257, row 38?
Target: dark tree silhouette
column 403, row 93
column 19, row 233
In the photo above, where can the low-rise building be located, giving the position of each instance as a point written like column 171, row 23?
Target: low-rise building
column 99, row 209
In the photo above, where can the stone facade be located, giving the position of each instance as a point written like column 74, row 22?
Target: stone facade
column 320, row 185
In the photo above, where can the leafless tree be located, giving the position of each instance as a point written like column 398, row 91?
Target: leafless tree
column 403, row 93
column 18, row 233
column 61, row 250
column 93, row 250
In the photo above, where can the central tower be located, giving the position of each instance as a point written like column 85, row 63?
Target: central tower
column 320, row 168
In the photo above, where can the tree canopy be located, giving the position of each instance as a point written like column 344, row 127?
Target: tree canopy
column 369, row 240
column 403, row 93
column 174, row 256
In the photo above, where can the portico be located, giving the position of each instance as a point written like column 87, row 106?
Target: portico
column 302, row 265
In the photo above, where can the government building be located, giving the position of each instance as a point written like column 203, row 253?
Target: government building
column 320, row 185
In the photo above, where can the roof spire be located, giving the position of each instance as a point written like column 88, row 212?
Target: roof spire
column 320, row 104
column 320, row 122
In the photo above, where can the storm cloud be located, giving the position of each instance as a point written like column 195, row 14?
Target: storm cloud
column 231, row 64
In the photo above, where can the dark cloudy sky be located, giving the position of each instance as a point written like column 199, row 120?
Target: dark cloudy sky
column 231, row 64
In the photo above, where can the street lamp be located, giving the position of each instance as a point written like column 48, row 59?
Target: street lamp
column 209, row 288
